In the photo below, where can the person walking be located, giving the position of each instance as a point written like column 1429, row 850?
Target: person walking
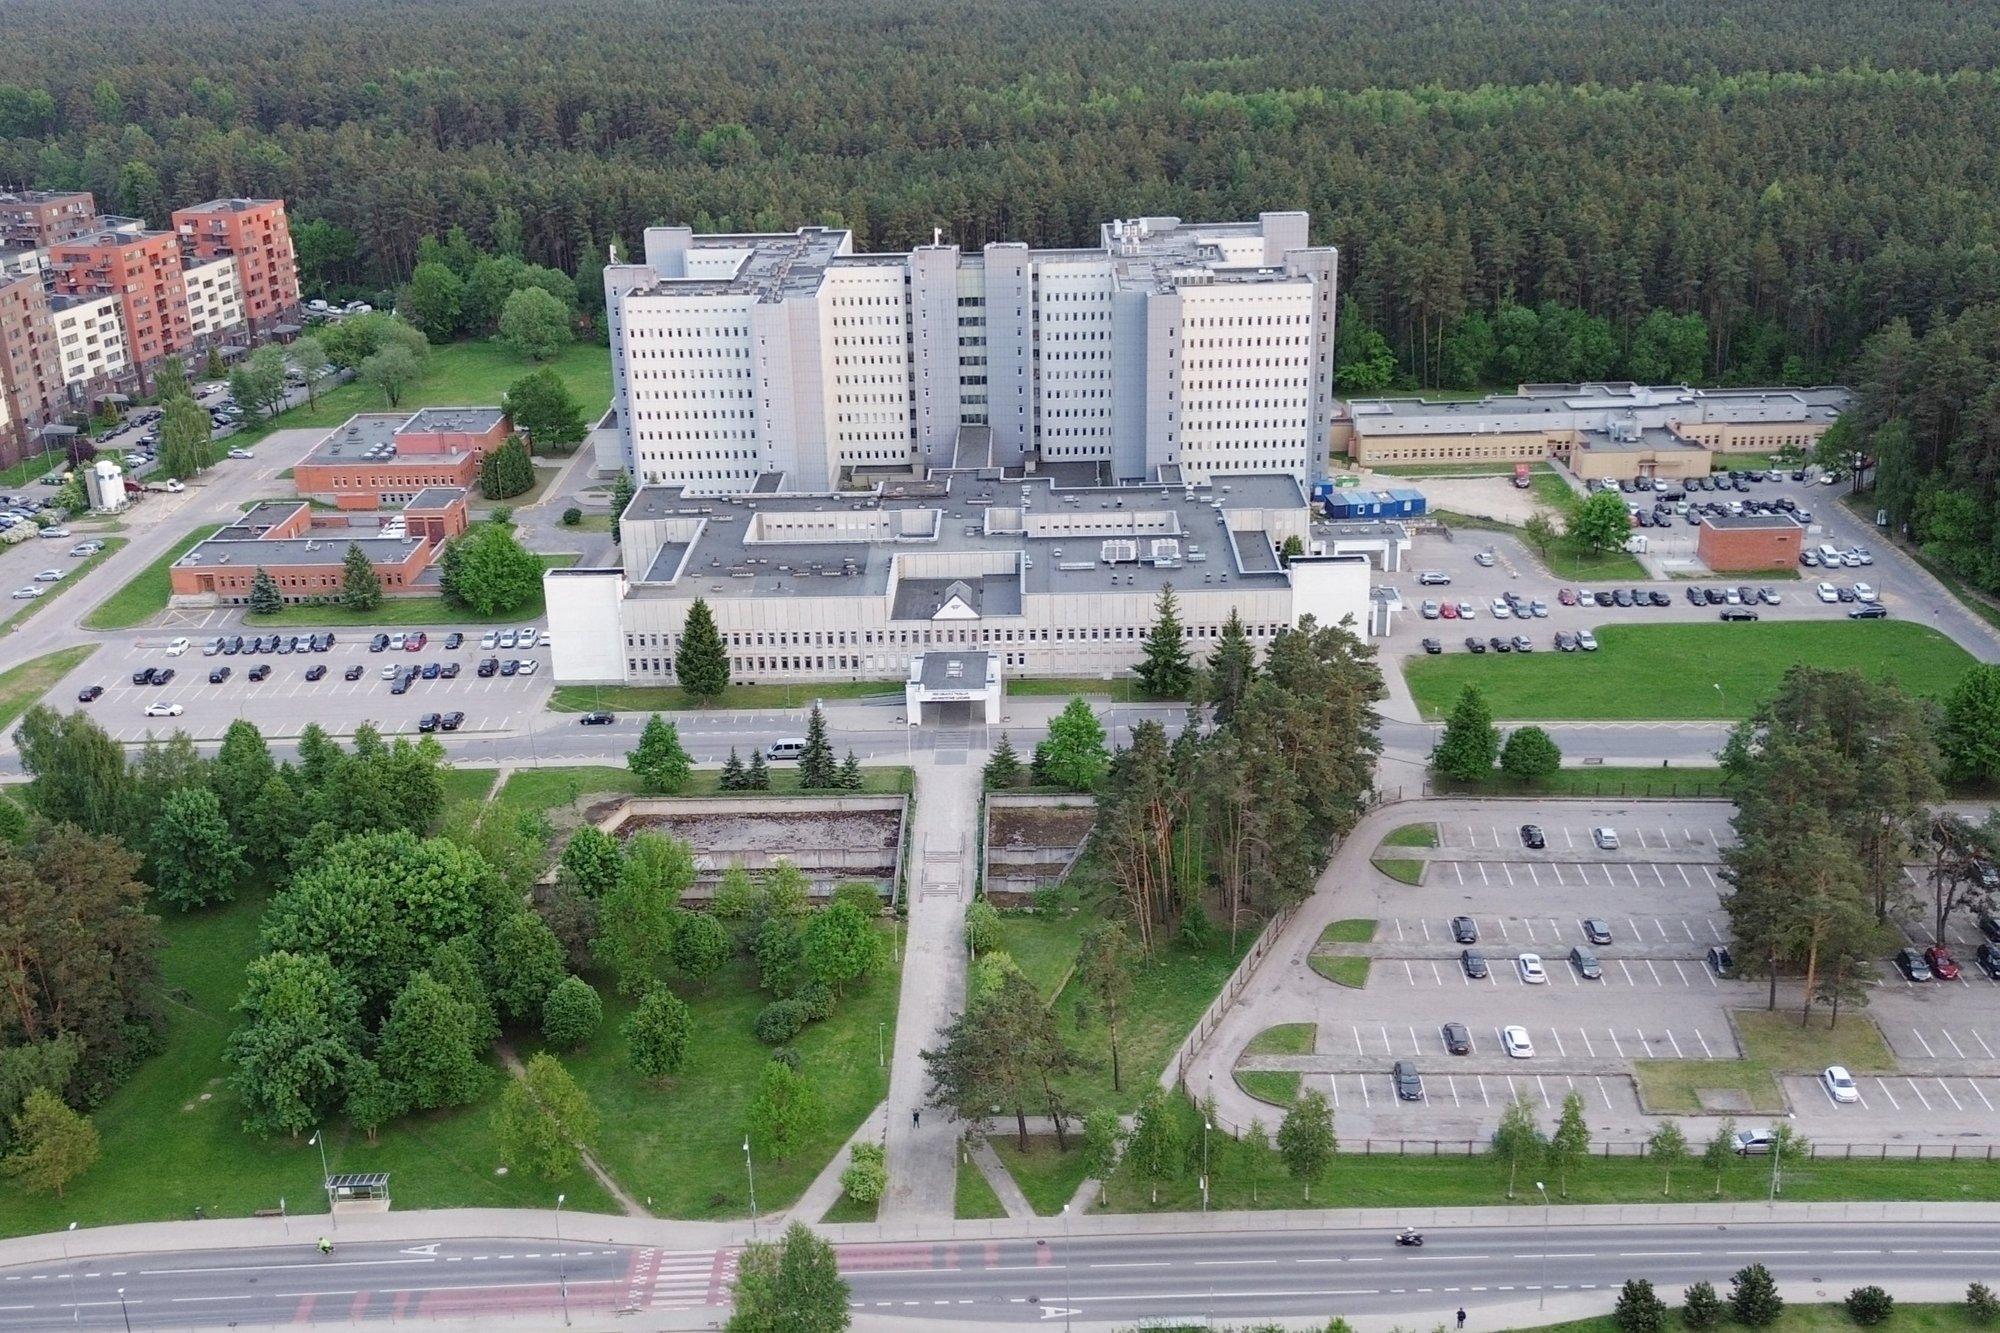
column 1461, row 1316
column 916, row 1118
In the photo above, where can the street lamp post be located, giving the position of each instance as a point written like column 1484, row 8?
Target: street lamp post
column 881, row 1055
column 751, row 1172
column 325, row 1176
column 1066, row 1264
column 123, row 1311
column 562, row 1260
column 1206, row 1125
column 76, row 1309
column 1542, row 1296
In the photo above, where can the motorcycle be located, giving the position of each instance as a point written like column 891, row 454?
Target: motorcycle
column 1410, row 1238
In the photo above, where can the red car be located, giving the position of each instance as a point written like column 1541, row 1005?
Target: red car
column 1943, row 966
column 1449, row 610
column 1567, row 597
column 415, row 643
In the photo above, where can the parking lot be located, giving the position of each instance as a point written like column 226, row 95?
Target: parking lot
column 1658, row 895
column 283, row 703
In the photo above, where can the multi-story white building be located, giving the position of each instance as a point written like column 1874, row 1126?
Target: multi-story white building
column 1207, row 348
column 214, row 296
column 90, row 338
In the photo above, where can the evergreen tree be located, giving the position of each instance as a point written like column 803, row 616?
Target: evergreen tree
column 1003, row 768
column 757, row 776
column 1470, row 743
column 1165, row 669
column 506, row 471
column 265, row 599
column 1700, row 1306
column 1754, row 1298
column 660, row 762
column 621, row 496
column 360, row 588
column 1232, row 669
column 817, row 768
column 851, row 778
column 732, row 773
column 1969, row 731
column 701, row 664
column 1639, row 1308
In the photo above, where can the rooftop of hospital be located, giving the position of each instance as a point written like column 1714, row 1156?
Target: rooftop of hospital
column 1818, row 405
column 983, row 538
column 373, row 437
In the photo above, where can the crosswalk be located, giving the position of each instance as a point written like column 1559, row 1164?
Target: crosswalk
column 681, row 1279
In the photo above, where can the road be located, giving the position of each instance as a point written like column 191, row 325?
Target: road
column 1492, row 1271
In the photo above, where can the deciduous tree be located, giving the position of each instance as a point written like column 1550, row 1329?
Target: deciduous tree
column 1306, row 1140
column 544, row 1118
column 429, row 1046
column 195, row 861
column 488, row 571
column 571, row 1014
column 541, row 406
column 1074, row 755
column 535, row 325
column 657, row 1034
column 53, row 1144
column 786, row 1111
column 300, row 1035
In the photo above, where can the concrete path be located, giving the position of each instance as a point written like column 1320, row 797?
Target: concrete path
column 1003, row 1183
column 825, row 1191
column 923, row 1175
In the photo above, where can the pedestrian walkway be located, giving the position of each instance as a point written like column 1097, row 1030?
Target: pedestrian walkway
column 1002, row 1180
column 825, row 1191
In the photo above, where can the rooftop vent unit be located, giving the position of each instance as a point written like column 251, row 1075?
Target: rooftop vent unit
column 1076, row 566
column 1165, row 549
column 1119, row 552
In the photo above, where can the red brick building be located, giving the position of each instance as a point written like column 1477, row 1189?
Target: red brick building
column 378, row 459
column 1746, row 542
column 31, row 375
column 143, row 270
column 255, row 234
column 39, row 218
column 305, row 551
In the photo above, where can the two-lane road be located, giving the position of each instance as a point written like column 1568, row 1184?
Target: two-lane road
column 1230, row 1274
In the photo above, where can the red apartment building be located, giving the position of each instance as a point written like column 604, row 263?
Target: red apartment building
column 255, row 234
column 30, row 366
column 304, row 552
column 39, row 218
column 142, row 269
column 376, row 459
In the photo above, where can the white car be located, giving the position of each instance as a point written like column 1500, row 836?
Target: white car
column 490, row 639
column 528, row 635
column 49, row 576
column 174, row 486
column 1864, row 592
column 1827, row 592
column 391, row 671
column 1839, row 1084
column 397, row 641
column 1605, row 838
column 163, row 709
column 529, row 666
column 1501, row 611
column 1532, row 971
column 239, row 453
column 177, row 647
column 1514, row 1041
column 1484, row 559
column 1586, row 641
column 86, row 548
column 28, row 593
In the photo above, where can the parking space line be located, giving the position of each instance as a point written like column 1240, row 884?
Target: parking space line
column 1399, row 927
column 1426, row 926
column 1534, row 875
column 1359, row 1049
column 1679, row 971
column 1973, row 1083
column 1919, row 1093
column 1689, row 929
column 1676, row 1045
column 1569, row 839
column 1613, row 1034
column 1387, row 1049
column 1415, row 1049
column 1503, row 927
column 1408, row 975
column 1364, row 1090
column 1529, row 926
column 1921, row 1042
column 1655, row 971
column 1627, row 971
column 1893, row 1103
column 1452, row 1084
column 1458, row 870
column 1437, row 977
column 1946, row 1033
column 1482, row 872
column 1553, row 1032
column 1715, row 930
column 1483, row 1099
column 1685, row 881
column 1513, row 1093
column 1633, row 922
column 1333, row 1082
column 1706, row 1053
column 1945, row 1088
column 1634, row 873
column 1982, row 1043
column 1508, row 872
column 1657, row 875
column 1544, row 1090
column 1661, row 926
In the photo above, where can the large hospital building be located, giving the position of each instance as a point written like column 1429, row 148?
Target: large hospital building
column 1205, row 347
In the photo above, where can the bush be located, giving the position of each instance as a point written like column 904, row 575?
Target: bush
column 781, row 1020
column 1048, row 901
column 1870, row 1305
column 572, row 516
column 1753, row 1295
column 1981, row 1305
column 787, row 1057
column 571, row 1014
column 817, row 999
column 867, row 1175
column 1639, row 1309
column 982, row 926
column 1701, row 1307
column 864, row 897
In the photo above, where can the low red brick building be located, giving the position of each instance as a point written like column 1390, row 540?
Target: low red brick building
column 379, row 459
column 1729, row 543
column 305, row 550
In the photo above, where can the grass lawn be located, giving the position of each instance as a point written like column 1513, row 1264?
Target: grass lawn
column 679, row 1146
column 1906, row 1318
column 1401, row 868
column 1119, row 689
column 21, row 686
column 409, row 610
column 1596, row 780
column 1456, row 1180
column 467, row 374
column 1353, row 930
column 173, row 1139
column 1048, row 1176
column 670, row 699
column 1413, row 835
column 1349, row 972
column 1774, row 1044
column 847, row 1210
column 71, row 574
column 1279, row 1087
column 1043, row 947
column 1551, row 490
column 32, row 468
column 1284, row 1039
column 1564, row 561
column 145, row 594
column 547, row 788
column 1643, row 671
column 467, row 784
column 976, row 1199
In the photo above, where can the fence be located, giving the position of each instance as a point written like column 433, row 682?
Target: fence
column 1231, row 988
column 1830, row 1152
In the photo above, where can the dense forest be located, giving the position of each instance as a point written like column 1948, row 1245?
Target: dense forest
column 1794, row 175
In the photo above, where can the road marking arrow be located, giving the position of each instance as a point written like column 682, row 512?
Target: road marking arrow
column 430, row 1249
column 1057, row 1312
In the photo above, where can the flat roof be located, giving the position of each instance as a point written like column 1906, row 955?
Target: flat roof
column 228, row 205
column 292, row 552
column 444, row 419
column 435, row 497
column 1649, row 439
column 1751, row 521
column 362, row 437
column 1531, row 405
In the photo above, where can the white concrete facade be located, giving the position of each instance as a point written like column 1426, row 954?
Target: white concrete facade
column 1205, row 348
column 214, row 296
column 90, row 337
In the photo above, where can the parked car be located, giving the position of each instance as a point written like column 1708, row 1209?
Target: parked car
column 1753, row 1142
column 1432, row 578
column 1433, row 647
column 397, row 642
column 28, row 593
column 449, row 671
column 1409, row 1084
column 1912, row 965
column 1989, row 926
column 1605, row 838
column 1474, row 964
column 353, row 673
column 378, row 643
column 508, row 638
column 1738, row 613
column 1943, row 966
column 528, row 666
column 1464, row 930
column 1988, row 958
column 1586, row 964
column 451, row 721
column 1533, row 838
column 1429, row 610
column 1586, row 641
column 1872, row 611
column 487, row 666
column 453, row 639
column 217, row 676
column 1597, row 930
column 163, row 709
column 1721, row 961
column 598, row 719
column 90, row 694
column 1514, row 1040
column 509, row 667
column 262, row 671
column 1474, row 644
column 1531, row 969
column 432, row 670
column 428, row 722
column 1457, row 1039
column 490, row 639
column 416, row 642
column 144, row 675
column 316, row 672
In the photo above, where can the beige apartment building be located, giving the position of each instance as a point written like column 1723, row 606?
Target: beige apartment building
column 1611, row 430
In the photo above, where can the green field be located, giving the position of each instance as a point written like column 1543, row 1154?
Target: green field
column 1353, row 930
column 1412, row 835
column 468, row 784
column 145, row 594
column 1595, row 780
column 976, row 1199
column 173, row 1139
column 1650, row 671
column 1349, row 972
column 1279, row 1087
column 1284, row 1039
column 1906, row 1318
column 1046, row 1174
column 72, row 574
column 670, row 698
column 1401, row 868
column 1773, row 1044
column 21, row 685
column 468, row 374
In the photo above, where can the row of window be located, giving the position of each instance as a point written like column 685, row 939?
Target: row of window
column 933, row 636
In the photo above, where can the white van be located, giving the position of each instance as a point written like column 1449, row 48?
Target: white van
column 789, row 748
column 1830, row 557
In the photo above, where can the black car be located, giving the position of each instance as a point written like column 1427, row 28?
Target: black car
column 315, row 673
column 1457, row 1039
column 510, row 666
column 262, row 671
column 1586, row 964
column 1873, row 611
column 1738, row 613
column 1659, row 598
column 1433, row 647
column 144, row 675
column 401, row 686
column 1464, row 930
column 428, row 722
column 453, row 639
column 354, row 673
column 162, row 675
column 1989, row 926
column 282, row 646
column 1531, row 838
column 1565, row 641
column 451, row 721
column 1409, row 1084
column 1473, row 962
column 1846, row 594
column 1621, row 597
column 1474, row 644
column 378, row 643
column 1721, row 961
column 1988, row 958
column 1695, row 597
column 217, row 676
column 432, row 670
column 598, row 719
column 1596, row 930
column 89, row 694
column 488, row 666
column 450, row 671
column 1500, row 645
